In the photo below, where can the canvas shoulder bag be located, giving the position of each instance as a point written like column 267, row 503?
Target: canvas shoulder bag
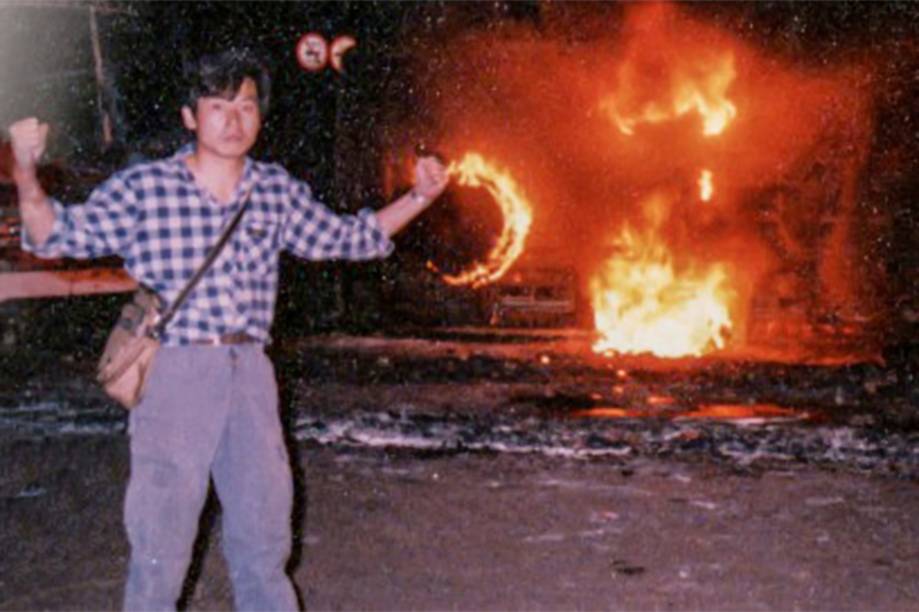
column 132, row 345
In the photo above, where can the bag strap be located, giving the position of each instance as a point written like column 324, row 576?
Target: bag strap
column 170, row 312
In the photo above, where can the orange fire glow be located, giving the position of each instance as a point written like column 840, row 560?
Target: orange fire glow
column 761, row 161
column 699, row 84
column 474, row 171
column 642, row 301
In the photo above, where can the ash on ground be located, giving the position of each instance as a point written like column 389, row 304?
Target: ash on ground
column 541, row 392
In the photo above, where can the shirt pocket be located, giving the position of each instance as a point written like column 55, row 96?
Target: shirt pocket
column 259, row 240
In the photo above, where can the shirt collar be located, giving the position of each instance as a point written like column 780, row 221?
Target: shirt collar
column 249, row 169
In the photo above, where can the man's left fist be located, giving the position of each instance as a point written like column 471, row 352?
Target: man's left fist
column 430, row 178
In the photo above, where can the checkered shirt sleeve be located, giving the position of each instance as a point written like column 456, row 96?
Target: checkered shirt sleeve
column 103, row 226
column 313, row 231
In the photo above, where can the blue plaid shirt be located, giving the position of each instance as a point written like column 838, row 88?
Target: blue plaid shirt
column 162, row 224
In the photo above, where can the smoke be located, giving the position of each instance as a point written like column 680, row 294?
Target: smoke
column 537, row 100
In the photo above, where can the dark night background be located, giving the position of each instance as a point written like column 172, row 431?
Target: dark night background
column 331, row 128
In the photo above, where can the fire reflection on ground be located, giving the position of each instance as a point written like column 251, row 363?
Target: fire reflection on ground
column 740, row 414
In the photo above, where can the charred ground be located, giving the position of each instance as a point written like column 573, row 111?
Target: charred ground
column 460, row 471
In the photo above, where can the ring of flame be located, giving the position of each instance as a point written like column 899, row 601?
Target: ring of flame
column 474, row 171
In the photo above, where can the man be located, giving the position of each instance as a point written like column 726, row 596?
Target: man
column 210, row 409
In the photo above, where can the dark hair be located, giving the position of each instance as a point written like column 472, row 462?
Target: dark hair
column 222, row 74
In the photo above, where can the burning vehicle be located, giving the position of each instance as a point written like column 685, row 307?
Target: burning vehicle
column 713, row 198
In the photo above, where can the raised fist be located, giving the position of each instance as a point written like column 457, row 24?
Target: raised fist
column 430, row 178
column 28, row 138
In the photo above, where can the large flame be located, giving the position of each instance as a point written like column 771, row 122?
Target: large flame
column 643, row 304
column 699, row 84
column 474, row 171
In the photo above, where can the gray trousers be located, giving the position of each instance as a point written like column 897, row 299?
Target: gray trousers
column 209, row 412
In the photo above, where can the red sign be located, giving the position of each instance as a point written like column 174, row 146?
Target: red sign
column 312, row 52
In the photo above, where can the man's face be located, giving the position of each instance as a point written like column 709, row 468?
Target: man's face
column 226, row 128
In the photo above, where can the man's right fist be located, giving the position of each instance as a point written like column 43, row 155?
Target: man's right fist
column 28, row 138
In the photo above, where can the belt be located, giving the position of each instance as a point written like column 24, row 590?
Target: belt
column 234, row 338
